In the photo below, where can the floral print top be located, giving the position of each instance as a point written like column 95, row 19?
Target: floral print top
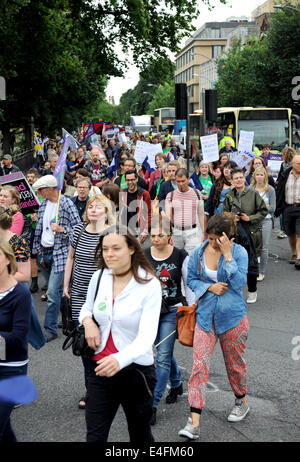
column 20, row 248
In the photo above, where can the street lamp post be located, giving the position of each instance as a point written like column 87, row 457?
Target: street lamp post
column 283, row 7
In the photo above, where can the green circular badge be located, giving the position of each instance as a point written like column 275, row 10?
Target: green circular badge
column 102, row 306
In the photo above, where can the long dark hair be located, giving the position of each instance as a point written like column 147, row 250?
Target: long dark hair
column 138, row 259
column 221, row 182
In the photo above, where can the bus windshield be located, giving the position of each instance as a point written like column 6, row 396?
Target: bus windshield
column 269, row 127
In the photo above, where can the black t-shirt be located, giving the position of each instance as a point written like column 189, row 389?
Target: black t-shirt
column 132, row 211
column 169, row 273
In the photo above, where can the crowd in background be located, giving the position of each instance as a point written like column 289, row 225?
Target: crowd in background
column 218, row 216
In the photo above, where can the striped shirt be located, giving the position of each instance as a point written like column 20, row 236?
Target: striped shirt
column 185, row 208
column 84, row 266
column 292, row 189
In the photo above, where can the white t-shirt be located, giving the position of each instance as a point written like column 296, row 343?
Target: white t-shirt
column 49, row 215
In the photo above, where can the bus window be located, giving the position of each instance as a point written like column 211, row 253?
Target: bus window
column 269, row 127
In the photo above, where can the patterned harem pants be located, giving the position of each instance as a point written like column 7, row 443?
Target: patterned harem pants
column 233, row 344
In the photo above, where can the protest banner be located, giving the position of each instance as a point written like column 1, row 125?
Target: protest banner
column 210, row 148
column 29, row 201
column 245, row 141
column 274, row 163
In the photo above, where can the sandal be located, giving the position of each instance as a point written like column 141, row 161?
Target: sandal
column 44, row 298
column 82, row 403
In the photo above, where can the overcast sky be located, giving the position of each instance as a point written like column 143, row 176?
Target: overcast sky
column 117, row 86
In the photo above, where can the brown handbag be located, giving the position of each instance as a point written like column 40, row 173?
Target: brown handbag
column 186, row 322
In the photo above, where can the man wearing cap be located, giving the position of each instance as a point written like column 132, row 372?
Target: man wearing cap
column 51, row 244
column 7, row 166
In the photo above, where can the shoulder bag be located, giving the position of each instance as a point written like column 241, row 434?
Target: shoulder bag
column 68, row 324
column 186, row 322
column 77, row 339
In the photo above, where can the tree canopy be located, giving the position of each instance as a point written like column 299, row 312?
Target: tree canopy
column 56, row 55
column 261, row 72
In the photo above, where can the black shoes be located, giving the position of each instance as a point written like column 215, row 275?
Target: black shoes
column 50, row 336
column 173, row 393
column 34, row 285
column 153, row 418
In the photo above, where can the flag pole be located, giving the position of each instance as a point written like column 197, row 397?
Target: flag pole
column 57, row 209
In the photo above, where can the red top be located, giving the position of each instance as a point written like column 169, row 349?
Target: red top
column 109, row 348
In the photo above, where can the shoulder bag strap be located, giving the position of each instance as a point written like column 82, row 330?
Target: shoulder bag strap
column 98, row 283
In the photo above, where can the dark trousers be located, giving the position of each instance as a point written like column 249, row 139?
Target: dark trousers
column 6, row 432
column 132, row 388
column 252, row 282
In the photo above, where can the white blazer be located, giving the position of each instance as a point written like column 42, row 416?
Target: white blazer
column 133, row 320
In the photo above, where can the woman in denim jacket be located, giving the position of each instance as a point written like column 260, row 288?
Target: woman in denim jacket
column 217, row 273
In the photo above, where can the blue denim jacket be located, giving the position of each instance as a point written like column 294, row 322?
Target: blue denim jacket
column 226, row 310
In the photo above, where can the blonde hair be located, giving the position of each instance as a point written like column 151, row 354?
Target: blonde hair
column 266, row 182
column 101, row 199
column 9, row 254
column 15, row 196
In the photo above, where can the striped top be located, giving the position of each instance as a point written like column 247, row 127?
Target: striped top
column 84, row 266
column 187, row 208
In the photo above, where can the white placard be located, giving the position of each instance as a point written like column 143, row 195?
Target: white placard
column 122, row 137
column 244, row 158
column 110, row 133
column 245, row 141
column 143, row 150
column 140, row 151
column 210, row 148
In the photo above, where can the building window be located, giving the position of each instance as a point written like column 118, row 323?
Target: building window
column 216, row 51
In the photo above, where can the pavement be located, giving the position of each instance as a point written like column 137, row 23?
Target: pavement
column 273, row 362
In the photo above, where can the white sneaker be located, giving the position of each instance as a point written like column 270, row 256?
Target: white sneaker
column 252, row 297
column 189, row 431
column 239, row 411
column 261, row 277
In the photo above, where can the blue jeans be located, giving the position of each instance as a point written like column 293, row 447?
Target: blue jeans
column 166, row 365
column 54, row 292
column 6, row 432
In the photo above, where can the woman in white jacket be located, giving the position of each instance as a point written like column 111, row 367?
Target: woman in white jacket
column 121, row 322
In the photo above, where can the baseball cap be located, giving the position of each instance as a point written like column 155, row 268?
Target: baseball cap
column 47, row 181
column 7, row 156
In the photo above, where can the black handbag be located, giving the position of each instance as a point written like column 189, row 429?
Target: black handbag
column 68, row 324
column 77, row 339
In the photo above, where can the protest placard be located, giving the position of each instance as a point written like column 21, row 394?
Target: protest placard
column 242, row 159
column 29, row 201
column 274, row 162
column 210, row 148
column 245, row 141
column 122, row 137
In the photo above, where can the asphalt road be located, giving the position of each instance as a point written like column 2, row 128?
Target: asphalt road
column 273, row 370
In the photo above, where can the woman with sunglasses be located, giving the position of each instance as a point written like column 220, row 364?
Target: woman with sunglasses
column 170, row 264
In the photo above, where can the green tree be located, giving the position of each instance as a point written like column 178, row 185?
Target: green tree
column 261, row 72
column 56, row 55
column 164, row 96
